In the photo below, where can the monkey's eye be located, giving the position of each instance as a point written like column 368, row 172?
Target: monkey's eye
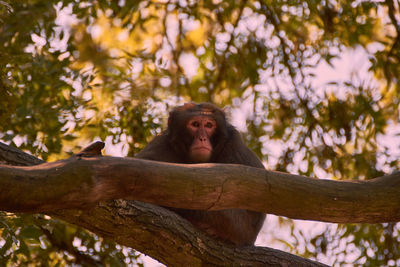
column 196, row 124
column 209, row 125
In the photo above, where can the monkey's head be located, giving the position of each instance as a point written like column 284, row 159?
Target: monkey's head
column 197, row 131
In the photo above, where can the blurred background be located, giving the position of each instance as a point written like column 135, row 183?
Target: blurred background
column 312, row 85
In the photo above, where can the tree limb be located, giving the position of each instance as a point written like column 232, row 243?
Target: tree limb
column 15, row 156
column 171, row 239
column 81, row 182
column 163, row 234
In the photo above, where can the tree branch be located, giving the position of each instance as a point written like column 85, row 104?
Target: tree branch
column 165, row 236
column 82, row 182
column 171, row 239
column 15, row 156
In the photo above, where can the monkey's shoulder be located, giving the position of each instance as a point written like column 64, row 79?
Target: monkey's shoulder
column 159, row 149
column 236, row 151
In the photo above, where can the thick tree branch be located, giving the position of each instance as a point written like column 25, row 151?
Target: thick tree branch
column 164, row 235
column 169, row 238
column 81, row 182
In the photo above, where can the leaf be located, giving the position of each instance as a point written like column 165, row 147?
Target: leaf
column 30, row 232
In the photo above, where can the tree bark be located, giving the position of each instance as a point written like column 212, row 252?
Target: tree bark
column 81, row 182
column 165, row 236
column 156, row 231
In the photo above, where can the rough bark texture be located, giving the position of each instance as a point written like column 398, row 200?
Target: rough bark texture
column 56, row 188
column 80, row 182
column 170, row 239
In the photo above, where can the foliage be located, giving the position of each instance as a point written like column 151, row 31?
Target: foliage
column 31, row 240
column 73, row 71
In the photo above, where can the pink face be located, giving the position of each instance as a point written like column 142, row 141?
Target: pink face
column 201, row 128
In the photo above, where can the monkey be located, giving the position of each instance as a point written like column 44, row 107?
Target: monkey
column 200, row 133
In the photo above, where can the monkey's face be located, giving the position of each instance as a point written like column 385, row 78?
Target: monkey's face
column 201, row 128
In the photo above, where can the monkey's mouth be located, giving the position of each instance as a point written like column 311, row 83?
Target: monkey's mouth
column 200, row 154
column 201, row 148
